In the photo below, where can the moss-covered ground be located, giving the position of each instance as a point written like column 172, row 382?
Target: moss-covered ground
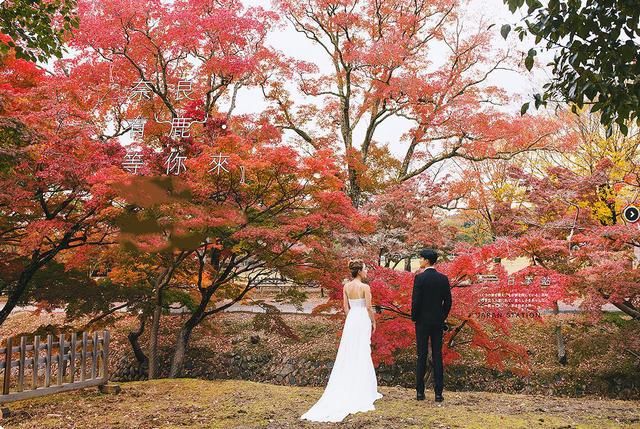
column 190, row 403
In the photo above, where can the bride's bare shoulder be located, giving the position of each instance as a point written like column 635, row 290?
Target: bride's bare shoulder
column 363, row 287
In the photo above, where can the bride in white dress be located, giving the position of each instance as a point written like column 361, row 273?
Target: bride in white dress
column 352, row 385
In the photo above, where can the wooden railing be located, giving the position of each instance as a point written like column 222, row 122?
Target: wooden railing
column 36, row 366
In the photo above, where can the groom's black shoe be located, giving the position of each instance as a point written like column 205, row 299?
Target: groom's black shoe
column 420, row 396
column 439, row 397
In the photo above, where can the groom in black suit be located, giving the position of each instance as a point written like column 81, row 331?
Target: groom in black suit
column 430, row 305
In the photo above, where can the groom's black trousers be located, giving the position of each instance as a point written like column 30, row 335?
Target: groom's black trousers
column 426, row 333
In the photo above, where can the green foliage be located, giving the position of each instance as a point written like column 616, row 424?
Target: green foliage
column 36, row 28
column 80, row 294
column 179, row 296
column 596, row 60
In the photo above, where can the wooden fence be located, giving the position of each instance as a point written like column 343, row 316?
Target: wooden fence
column 37, row 366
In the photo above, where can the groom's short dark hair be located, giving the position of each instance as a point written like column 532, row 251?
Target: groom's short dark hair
column 430, row 255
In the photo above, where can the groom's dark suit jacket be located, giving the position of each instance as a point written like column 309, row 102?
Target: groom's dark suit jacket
column 431, row 299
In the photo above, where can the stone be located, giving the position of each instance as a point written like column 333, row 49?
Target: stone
column 255, row 339
column 110, row 389
column 286, row 370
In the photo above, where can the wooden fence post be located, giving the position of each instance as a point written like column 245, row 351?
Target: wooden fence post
column 7, row 366
column 47, row 365
column 61, row 360
column 94, row 356
column 72, row 357
column 83, row 357
column 105, row 357
column 21, row 362
column 36, row 361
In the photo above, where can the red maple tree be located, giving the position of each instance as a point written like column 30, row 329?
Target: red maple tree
column 54, row 181
column 417, row 65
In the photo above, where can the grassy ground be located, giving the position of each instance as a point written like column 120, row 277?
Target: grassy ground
column 242, row 404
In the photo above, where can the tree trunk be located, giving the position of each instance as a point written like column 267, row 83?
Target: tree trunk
column 14, row 296
column 134, row 337
column 177, row 363
column 155, row 328
column 199, row 314
column 12, row 301
column 355, row 192
column 561, row 349
column 407, row 263
column 627, row 309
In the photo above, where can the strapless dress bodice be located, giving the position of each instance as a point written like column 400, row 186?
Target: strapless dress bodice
column 358, row 302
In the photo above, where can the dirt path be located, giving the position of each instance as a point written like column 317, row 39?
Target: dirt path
column 241, row 404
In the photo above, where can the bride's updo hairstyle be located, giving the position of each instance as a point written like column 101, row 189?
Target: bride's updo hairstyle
column 355, row 266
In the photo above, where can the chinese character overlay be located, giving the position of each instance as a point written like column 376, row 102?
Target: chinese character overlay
column 136, row 131
column 142, row 88
column 175, row 163
column 180, row 127
column 183, row 90
column 220, row 161
column 132, row 162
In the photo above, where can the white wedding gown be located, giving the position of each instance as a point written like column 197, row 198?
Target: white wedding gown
column 352, row 385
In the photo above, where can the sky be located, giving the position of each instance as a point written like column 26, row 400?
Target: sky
column 520, row 84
